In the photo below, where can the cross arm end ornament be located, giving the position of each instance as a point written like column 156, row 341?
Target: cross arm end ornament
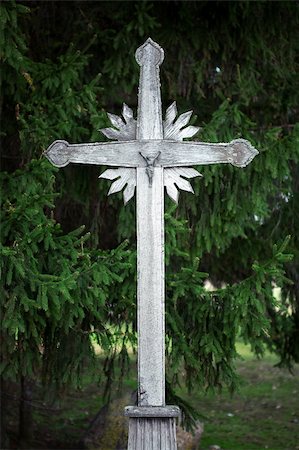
column 58, row 153
column 241, row 152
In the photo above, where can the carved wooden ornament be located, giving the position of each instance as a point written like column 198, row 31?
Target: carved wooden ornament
column 150, row 142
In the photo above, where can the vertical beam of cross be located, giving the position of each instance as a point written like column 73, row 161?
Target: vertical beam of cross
column 150, row 236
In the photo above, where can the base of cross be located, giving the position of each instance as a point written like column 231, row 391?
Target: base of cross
column 152, row 427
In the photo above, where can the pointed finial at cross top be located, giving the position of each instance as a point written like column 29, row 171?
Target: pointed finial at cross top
column 150, row 141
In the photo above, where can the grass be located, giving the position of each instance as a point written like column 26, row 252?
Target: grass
column 264, row 414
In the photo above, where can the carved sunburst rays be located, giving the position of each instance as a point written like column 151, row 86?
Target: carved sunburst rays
column 126, row 127
column 124, row 177
column 174, row 128
column 125, row 130
column 173, row 179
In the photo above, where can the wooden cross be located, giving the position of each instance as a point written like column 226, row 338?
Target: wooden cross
column 149, row 154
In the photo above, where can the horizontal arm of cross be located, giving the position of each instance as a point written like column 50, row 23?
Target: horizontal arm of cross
column 118, row 153
column 238, row 152
column 132, row 153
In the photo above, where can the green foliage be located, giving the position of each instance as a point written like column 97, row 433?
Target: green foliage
column 13, row 50
column 55, row 289
column 71, row 110
column 236, row 65
column 215, row 320
column 232, row 210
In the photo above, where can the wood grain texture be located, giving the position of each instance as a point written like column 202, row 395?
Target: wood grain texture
column 152, row 411
column 152, row 434
column 115, row 154
column 150, row 288
column 150, row 233
column 149, row 119
column 238, row 152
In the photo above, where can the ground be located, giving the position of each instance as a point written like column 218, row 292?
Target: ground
column 264, row 414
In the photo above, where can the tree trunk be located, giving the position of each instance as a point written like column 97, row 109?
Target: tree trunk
column 4, row 440
column 25, row 410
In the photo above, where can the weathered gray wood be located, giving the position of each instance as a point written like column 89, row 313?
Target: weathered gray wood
column 124, row 177
column 150, row 287
column 125, row 127
column 152, row 434
column 174, row 128
column 174, row 178
column 152, row 411
column 150, row 235
column 118, row 154
column 149, row 121
column 238, row 152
